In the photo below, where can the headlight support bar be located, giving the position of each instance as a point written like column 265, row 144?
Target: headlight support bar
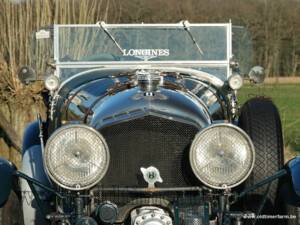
column 31, row 183
column 37, row 183
column 263, row 182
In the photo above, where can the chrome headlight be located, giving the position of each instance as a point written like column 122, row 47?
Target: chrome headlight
column 76, row 157
column 222, row 156
column 235, row 81
column 52, row 83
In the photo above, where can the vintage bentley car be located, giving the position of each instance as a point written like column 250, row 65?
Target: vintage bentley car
column 144, row 128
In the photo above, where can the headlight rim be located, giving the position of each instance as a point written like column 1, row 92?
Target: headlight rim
column 252, row 147
column 61, row 129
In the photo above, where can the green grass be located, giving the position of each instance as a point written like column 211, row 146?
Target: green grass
column 287, row 99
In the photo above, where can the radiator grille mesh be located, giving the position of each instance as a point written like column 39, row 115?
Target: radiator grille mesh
column 144, row 142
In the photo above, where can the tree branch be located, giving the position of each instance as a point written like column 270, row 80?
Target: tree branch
column 11, row 133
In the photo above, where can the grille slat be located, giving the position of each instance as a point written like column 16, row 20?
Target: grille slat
column 144, row 142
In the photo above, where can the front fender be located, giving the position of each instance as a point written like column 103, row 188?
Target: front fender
column 32, row 166
column 7, row 170
column 31, row 136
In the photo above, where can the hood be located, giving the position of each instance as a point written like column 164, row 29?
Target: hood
column 105, row 100
column 135, row 103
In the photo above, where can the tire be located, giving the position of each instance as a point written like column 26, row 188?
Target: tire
column 1, row 223
column 289, row 201
column 260, row 119
column 295, row 212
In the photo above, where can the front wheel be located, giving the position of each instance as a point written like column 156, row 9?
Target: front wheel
column 260, row 119
column 294, row 215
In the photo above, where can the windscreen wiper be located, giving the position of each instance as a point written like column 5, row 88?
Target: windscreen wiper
column 186, row 27
column 103, row 27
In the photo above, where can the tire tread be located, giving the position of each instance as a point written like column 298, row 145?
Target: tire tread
column 259, row 117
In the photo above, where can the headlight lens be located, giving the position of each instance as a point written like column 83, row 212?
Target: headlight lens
column 52, row 83
column 222, row 156
column 76, row 157
column 236, row 81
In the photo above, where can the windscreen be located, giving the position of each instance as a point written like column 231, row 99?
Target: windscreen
column 242, row 47
column 150, row 43
column 203, row 47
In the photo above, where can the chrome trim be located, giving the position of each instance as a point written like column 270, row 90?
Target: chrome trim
column 129, row 25
column 198, row 74
column 218, row 63
column 56, row 43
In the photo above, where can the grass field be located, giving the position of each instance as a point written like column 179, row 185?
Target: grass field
column 287, row 99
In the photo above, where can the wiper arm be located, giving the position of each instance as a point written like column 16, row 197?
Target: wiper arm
column 102, row 26
column 186, row 27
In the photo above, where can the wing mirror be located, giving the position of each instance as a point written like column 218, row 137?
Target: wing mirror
column 27, row 75
column 290, row 184
column 7, row 170
column 257, row 75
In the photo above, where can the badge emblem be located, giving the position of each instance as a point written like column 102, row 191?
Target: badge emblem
column 146, row 54
column 151, row 176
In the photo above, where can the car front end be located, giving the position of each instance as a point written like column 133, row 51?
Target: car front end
column 142, row 128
